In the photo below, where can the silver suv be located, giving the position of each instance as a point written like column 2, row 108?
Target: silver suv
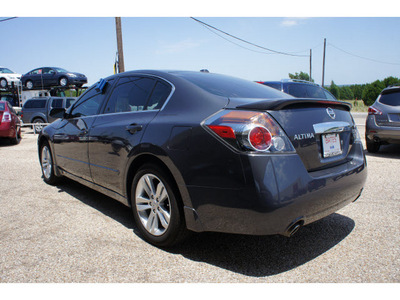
column 383, row 122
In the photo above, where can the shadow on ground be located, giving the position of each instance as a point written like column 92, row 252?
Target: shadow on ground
column 386, row 151
column 256, row 256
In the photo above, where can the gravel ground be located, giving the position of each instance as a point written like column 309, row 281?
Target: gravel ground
column 69, row 233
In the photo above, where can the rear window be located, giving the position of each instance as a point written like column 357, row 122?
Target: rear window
column 226, row 86
column 392, row 99
column 70, row 101
column 57, row 103
column 275, row 85
column 2, row 106
column 306, row 91
column 35, row 104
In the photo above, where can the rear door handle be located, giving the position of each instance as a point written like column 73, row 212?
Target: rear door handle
column 133, row 128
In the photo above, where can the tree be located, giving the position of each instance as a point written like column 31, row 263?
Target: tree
column 346, row 93
column 301, row 76
column 391, row 81
column 371, row 92
column 334, row 89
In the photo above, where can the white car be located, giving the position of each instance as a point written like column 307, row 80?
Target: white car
column 7, row 77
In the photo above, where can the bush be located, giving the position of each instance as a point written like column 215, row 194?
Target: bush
column 372, row 91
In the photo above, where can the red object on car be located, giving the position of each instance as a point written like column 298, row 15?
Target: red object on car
column 10, row 124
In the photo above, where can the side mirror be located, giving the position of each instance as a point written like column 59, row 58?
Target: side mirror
column 57, row 113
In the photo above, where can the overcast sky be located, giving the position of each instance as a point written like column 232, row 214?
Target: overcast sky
column 359, row 49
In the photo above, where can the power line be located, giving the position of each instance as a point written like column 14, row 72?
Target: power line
column 362, row 57
column 8, row 19
column 244, row 41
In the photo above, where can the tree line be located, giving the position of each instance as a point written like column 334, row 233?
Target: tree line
column 366, row 92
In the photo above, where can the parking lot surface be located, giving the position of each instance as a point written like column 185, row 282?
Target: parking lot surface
column 70, row 233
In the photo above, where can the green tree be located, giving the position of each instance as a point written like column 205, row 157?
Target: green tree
column 301, row 76
column 346, row 93
column 334, row 89
column 357, row 90
column 371, row 92
column 391, row 81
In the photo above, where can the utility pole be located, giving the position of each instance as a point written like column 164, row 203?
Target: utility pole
column 121, row 65
column 310, row 64
column 323, row 64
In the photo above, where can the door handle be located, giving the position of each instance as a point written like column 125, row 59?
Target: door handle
column 133, row 128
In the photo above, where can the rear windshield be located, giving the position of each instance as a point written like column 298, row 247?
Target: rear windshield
column 231, row 87
column 392, row 99
column 2, row 106
column 306, row 91
column 275, row 85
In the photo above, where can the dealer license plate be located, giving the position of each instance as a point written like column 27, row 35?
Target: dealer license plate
column 331, row 145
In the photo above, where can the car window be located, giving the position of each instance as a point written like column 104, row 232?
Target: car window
column 276, row 86
column 48, row 71
column 305, row 91
column 226, row 86
column 37, row 103
column 329, row 96
column 2, row 106
column 159, row 95
column 89, row 107
column 130, row 94
column 57, row 103
column 69, row 102
column 392, row 99
column 6, row 71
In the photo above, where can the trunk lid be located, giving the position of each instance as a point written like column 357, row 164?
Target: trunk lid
column 322, row 132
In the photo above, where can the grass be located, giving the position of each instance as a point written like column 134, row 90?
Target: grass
column 358, row 105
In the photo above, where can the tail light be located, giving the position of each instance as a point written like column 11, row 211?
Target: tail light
column 249, row 131
column 6, row 117
column 374, row 111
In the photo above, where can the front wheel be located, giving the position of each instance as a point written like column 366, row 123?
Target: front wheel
column 157, row 212
column 63, row 81
column 29, row 84
column 47, row 164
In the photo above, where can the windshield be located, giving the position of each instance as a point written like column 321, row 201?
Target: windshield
column 6, row 71
column 60, row 70
column 392, row 99
column 226, row 86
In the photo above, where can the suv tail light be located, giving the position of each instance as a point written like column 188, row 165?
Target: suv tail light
column 249, row 131
column 6, row 117
column 374, row 111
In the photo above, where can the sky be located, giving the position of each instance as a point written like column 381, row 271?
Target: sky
column 359, row 49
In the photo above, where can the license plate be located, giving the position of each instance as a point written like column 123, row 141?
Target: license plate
column 331, row 145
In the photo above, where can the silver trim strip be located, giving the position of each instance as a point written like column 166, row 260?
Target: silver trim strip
column 331, row 127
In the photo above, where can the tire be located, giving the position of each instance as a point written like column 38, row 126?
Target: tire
column 29, row 84
column 3, row 83
column 63, row 81
column 37, row 128
column 15, row 140
column 156, row 207
column 47, row 165
column 372, row 146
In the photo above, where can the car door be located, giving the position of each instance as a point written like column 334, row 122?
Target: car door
column 71, row 137
column 49, row 77
column 133, row 103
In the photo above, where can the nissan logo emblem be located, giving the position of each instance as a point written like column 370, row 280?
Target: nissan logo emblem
column 330, row 113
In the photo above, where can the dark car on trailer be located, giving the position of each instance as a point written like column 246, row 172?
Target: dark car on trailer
column 383, row 121
column 46, row 77
column 207, row 152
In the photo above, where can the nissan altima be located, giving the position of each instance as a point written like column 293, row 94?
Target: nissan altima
column 197, row 151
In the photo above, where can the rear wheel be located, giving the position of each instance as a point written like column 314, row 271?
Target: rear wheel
column 29, row 84
column 15, row 140
column 47, row 164
column 372, row 146
column 38, row 125
column 156, row 208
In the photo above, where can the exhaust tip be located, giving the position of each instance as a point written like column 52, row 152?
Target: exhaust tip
column 293, row 228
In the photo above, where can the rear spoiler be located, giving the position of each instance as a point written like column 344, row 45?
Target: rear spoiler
column 278, row 104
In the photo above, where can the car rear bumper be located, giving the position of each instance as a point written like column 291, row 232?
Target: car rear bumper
column 389, row 134
column 278, row 193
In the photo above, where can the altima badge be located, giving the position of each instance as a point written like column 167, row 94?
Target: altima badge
column 331, row 113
